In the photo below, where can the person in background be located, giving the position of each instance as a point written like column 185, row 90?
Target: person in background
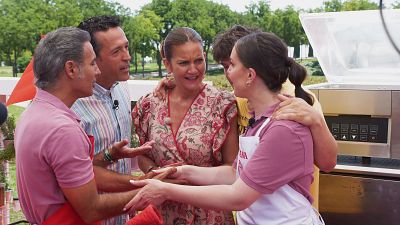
column 270, row 180
column 107, row 113
column 3, row 113
column 325, row 147
column 55, row 175
column 195, row 124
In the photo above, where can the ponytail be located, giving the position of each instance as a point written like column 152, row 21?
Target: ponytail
column 297, row 74
column 267, row 54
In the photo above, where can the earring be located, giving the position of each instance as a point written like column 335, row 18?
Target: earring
column 248, row 83
column 170, row 76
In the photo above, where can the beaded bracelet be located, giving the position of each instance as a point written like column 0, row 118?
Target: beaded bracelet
column 107, row 156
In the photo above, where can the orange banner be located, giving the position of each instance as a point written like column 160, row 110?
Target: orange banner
column 25, row 89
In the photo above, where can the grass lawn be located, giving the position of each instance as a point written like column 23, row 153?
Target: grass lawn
column 6, row 71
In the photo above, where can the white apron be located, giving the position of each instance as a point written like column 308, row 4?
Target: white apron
column 285, row 206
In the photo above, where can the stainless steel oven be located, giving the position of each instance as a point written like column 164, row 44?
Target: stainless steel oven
column 361, row 105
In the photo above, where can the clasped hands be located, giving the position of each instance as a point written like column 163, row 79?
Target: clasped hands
column 152, row 191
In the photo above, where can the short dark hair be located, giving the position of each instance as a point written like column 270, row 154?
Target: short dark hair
column 96, row 24
column 267, row 54
column 53, row 51
column 224, row 42
column 178, row 36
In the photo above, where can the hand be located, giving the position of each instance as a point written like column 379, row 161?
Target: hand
column 176, row 175
column 173, row 178
column 165, row 83
column 166, row 174
column 158, row 175
column 120, row 150
column 152, row 192
column 296, row 109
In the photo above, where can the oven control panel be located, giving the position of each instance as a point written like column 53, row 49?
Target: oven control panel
column 358, row 128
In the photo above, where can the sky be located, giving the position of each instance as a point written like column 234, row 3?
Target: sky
column 239, row 5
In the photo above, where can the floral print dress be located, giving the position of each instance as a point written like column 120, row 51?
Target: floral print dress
column 197, row 141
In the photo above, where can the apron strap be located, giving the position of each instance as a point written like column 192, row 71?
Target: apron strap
column 262, row 127
column 91, row 140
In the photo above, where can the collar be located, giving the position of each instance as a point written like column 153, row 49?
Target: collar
column 264, row 115
column 44, row 96
column 98, row 90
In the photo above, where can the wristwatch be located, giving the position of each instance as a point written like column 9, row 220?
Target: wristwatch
column 107, row 156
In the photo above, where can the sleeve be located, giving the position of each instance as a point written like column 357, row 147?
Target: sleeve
column 243, row 114
column 278, row 160
column 228, row 111
column 68, row 154
column 140, row 118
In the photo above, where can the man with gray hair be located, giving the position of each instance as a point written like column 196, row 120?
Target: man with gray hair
column 55, row 174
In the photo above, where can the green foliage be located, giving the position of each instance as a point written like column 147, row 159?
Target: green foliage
column 220, row 81
column 161, row 8
column 141, row 31
column 333, row 6
column 15, row 111
column 8, row 153
column 354, row 5
column 314, row 67
column 24, row 21
column 8, row 128
column 5, row 155
column 283, row 22
column 349, row 5
column 314, row 80
column 23, row 61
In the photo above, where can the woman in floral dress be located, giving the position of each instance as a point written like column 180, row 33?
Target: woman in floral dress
column 196, row 124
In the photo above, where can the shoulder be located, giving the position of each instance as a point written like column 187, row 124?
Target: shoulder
column 212, row 91
column 122, row 87
column 147, row 103
column 147, row 98
column 83, row 102
column 88, row 108
column 69, row 131
column 242, row 107
column 70, row 136
column 288, row 128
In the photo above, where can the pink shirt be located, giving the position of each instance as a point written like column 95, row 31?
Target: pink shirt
column 52, row 152
column 283, row 156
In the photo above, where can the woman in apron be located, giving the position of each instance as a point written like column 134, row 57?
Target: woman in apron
column 270, row 180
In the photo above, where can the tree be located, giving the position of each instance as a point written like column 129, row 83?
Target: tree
column 142, row 31
column 222, row 18
column 333, row 6
column 194, row 14
column 257, row 15
column 19, row 28
column 24, row 21
column 286, row 24
column 349, row 5
column 355, row 5
column 161, row 8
